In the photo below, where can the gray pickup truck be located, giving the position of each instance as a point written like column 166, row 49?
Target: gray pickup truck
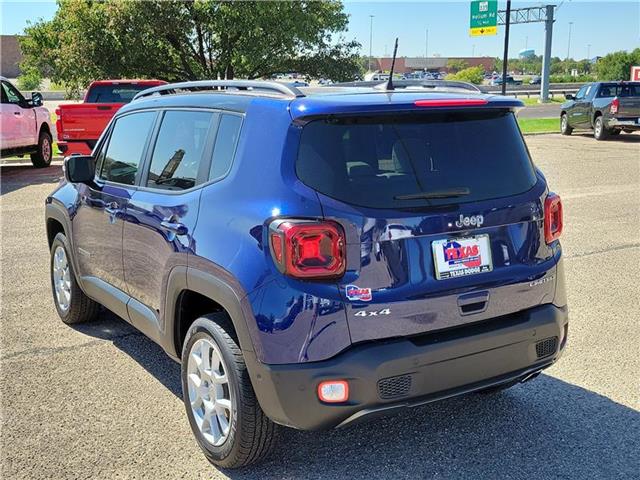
column 607, row 108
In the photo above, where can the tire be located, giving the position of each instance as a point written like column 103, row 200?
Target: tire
column 600, row 132
column 76, row 307
column 565, row 129
column 42, row 158
column 250, row 435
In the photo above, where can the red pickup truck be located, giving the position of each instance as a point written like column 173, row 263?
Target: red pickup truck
column 80, row 125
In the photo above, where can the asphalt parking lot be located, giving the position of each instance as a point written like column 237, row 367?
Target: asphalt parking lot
column 102, row 401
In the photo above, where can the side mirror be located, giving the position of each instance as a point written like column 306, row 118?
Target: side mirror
column 568, row 96
column 79, row 168
column 36, row 99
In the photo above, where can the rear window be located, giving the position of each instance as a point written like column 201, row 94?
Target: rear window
column 619, row 90
column 114, row 93
column 415, row 161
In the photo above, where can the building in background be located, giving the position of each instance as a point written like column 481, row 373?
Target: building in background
column 10, row 56
column 527, row 53
column 431, row 64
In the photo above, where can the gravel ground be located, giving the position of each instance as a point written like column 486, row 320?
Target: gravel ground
column 101, row 401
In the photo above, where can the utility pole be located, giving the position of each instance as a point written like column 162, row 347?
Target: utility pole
column 426, row 45
column 370, row 40
column 569, row 41
column 532, row 15
column 505, row 57
column 546, row 59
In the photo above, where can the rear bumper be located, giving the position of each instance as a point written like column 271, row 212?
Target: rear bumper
column 626, row 123
column 79, row 147
column 395, row 374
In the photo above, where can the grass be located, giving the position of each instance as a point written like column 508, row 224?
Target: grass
column 531, row 101
column 539, row 125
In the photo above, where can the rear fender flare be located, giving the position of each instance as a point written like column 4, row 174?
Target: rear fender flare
column 225, row 292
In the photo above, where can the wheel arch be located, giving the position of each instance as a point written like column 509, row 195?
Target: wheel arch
column 56, row 222
column 596, row 114
column 192, row 293
column 45, row 128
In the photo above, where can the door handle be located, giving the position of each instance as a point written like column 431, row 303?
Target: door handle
column 17, row 113
column 175, row 227
column 111, row 208
column 476, row 302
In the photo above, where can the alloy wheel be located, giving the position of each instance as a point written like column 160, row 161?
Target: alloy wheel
column 61, row 278
column 46, row 150
column 210, row 395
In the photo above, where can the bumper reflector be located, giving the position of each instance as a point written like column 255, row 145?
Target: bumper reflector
column 333, row 391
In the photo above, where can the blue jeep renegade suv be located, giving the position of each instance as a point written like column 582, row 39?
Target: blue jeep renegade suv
column 313, row 258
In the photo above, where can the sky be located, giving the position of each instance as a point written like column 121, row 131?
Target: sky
column 599, row 27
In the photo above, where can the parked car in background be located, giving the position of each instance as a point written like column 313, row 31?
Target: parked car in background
column 233, row 222
column 25, row 126
column 510, row 81
column 79, row 125
column 607, row 108
column 535, row 80
column 376, row 76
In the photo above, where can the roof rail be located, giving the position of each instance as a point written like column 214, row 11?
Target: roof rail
column 203, row 85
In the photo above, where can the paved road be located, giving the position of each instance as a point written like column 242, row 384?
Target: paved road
column 101, row 401
column 549, row 110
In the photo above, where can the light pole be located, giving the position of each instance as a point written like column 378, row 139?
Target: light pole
column 370, row 40
column 426, row 44
column 569, row 41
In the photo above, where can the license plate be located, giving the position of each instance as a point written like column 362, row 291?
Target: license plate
column 458, row 257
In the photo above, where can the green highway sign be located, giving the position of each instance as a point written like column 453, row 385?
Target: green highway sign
column 484, row 18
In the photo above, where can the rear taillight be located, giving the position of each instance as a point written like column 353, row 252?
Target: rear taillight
column 308, row 249
column 552, row 218
column 615, row 105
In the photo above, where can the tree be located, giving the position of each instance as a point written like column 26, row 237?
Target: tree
column 617, row 65
column 176, row 40
column 456, row 64
column 473, row 75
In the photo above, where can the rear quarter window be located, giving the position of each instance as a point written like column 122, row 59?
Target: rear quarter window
column 377, row 162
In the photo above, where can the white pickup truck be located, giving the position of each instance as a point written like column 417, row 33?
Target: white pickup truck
column 25, row 126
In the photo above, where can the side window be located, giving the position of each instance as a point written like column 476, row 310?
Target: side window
column 581, row 93
column 607, row 91
column 179, row 149
column 124, row 152
column 11, row 94
column 226, row 141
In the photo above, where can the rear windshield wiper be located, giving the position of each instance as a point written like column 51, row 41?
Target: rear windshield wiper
column 449, row 193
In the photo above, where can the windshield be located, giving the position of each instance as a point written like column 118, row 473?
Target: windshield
column 418, row 160
column 114, row 93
